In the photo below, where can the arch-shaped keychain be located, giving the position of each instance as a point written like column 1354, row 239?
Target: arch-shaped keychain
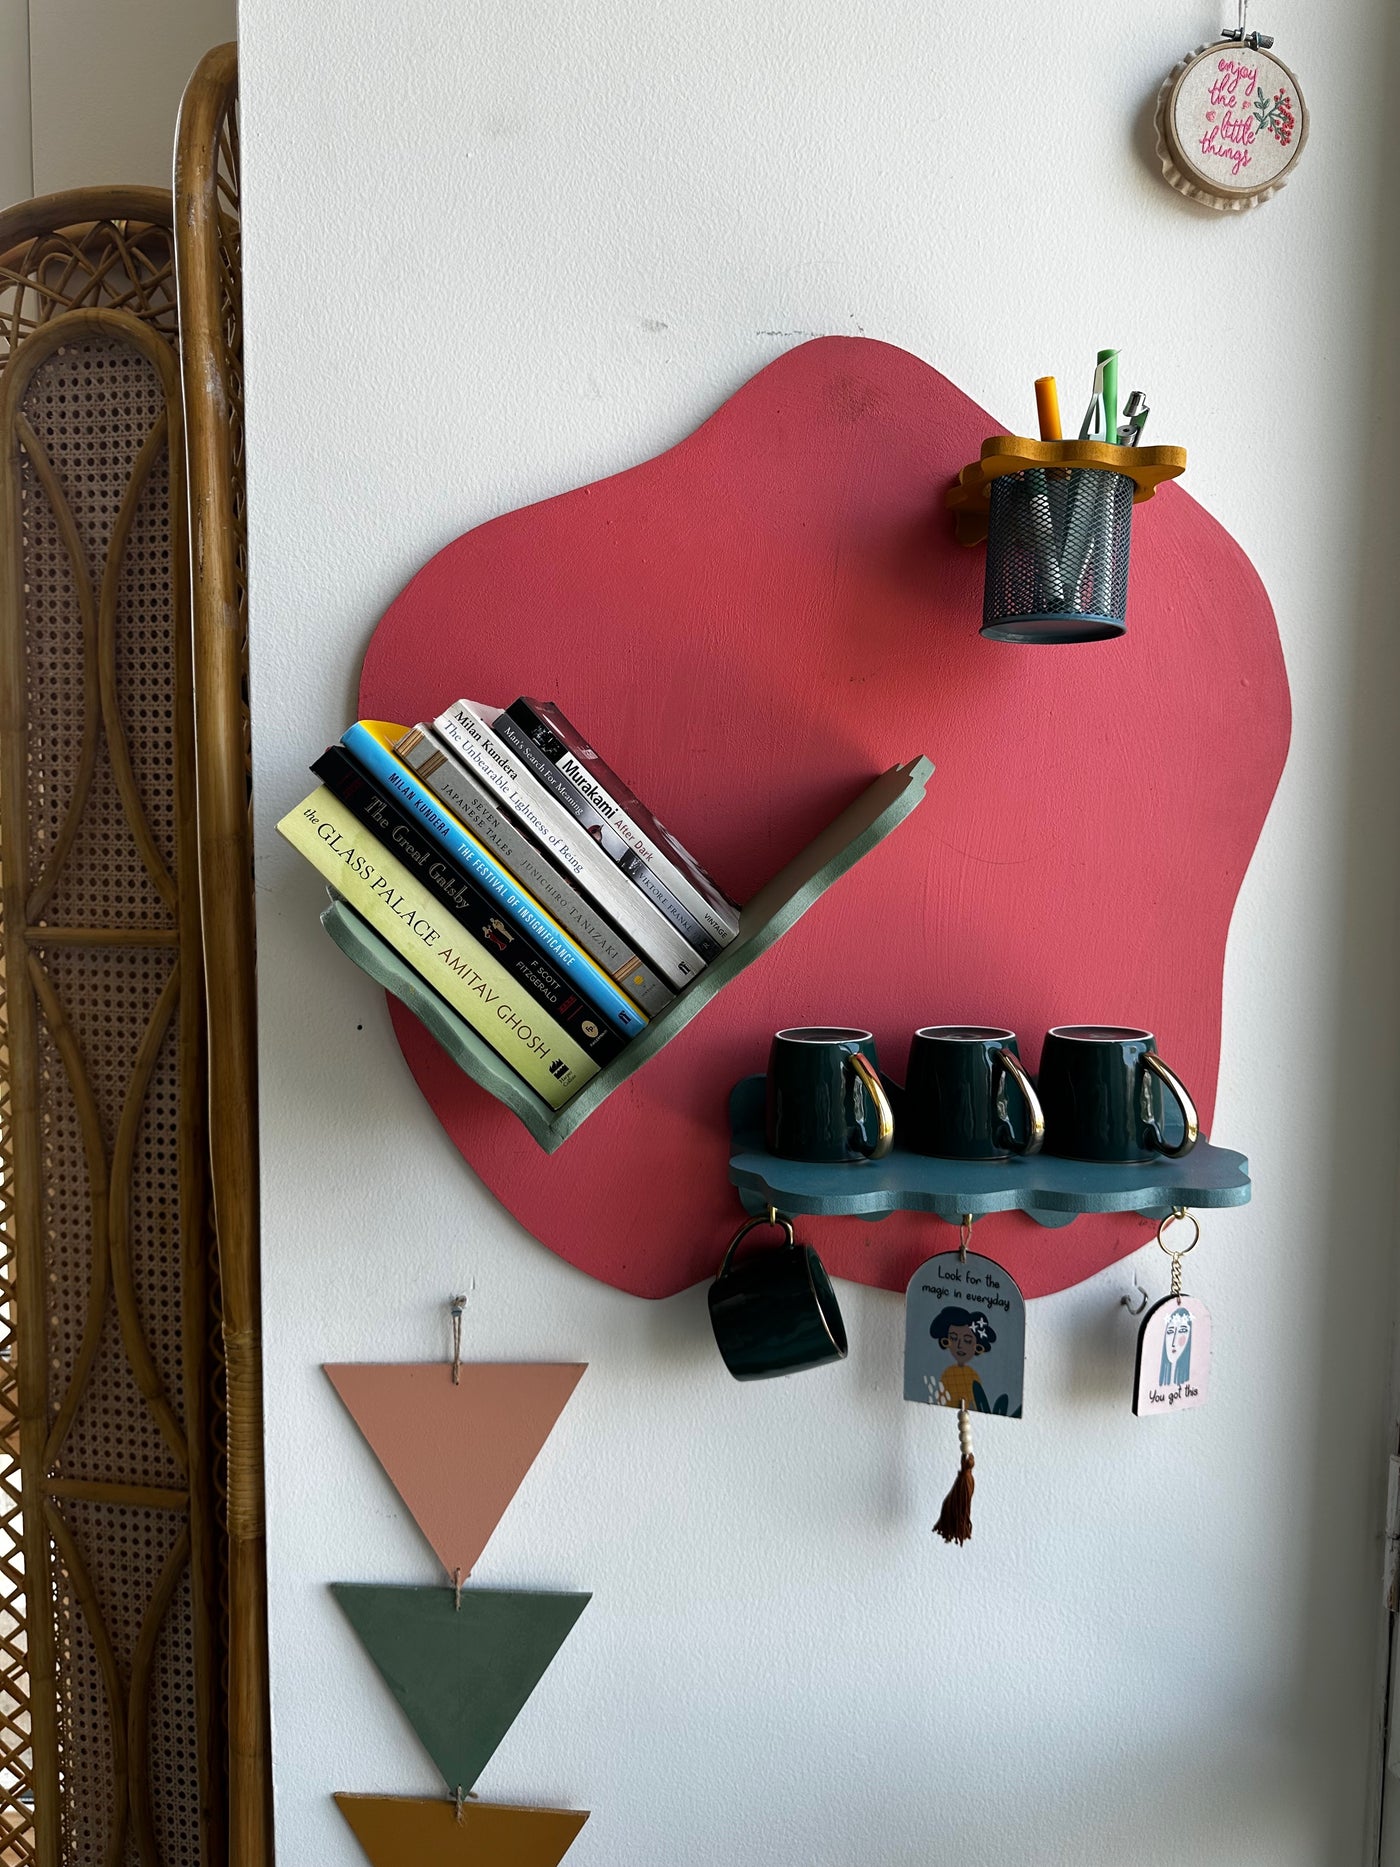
column 1173, row 1354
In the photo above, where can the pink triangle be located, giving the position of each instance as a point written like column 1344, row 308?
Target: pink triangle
column 456, row 1453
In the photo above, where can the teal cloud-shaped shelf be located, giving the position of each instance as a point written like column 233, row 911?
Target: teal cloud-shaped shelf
column 1050, row 1189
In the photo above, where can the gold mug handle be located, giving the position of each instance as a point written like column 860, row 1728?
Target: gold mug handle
column 1184, row 1103
column 866, row 1072
column 1035, row 1115
column 763, row 1219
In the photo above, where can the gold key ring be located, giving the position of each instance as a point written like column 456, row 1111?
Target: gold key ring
column 1177, row 1214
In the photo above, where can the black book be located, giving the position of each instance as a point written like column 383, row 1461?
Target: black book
column 467, row 903
column 605, row 836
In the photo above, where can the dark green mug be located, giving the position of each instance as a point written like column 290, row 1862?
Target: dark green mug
column 825, row 1098
column 956, row 1102
column 1101, row 1088
column 775, row 1312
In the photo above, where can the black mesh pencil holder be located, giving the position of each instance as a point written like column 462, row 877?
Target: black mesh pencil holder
column 1057, row 555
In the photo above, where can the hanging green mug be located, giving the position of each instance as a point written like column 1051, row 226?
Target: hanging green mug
column 775, row 1312
column 826, row 1102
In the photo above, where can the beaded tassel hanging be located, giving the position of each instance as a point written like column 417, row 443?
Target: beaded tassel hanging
column 955, row 1519
column 964, row 1347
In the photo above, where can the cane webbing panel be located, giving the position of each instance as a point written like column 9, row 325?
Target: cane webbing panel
column 111, row 1242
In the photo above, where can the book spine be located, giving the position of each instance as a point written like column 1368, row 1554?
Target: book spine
column 470, row 746
column 606, row 836
column 545, row 727
column 517, row 859
column 470, row 905
column 457, row 967
column 461, row 848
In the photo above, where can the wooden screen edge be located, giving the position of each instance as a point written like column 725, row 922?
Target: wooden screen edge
column 225, row 867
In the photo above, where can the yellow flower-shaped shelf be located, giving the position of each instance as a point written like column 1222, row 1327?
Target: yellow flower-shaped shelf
column 970, row 495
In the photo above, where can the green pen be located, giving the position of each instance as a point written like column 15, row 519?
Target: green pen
column 1108, row 361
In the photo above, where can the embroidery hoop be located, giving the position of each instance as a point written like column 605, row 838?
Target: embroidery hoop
column 1177, row 167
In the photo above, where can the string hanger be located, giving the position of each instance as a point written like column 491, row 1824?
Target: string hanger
column 457, row 1307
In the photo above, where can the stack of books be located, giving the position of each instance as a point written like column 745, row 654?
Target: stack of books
column 517, row 874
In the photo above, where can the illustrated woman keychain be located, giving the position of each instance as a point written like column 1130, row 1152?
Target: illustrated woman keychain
column 964, row 1347
column 1173, row 1356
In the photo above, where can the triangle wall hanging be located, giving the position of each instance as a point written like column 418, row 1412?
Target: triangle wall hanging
column 456, row 1439
column 408, row 1831
column 460, row 1669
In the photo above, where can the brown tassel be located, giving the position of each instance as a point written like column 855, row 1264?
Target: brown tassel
column 955, row 1519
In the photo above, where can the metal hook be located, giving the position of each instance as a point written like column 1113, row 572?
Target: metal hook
column 1259, row 41
column 1127, row 1302
column 457, row 1306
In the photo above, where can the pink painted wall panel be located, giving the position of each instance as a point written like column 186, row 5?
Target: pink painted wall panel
column 752, row 625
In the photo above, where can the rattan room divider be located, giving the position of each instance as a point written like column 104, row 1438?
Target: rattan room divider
column 112, row 1638
column 134, row 1723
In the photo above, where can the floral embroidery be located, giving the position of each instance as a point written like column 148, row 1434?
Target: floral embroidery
column 1275, row 114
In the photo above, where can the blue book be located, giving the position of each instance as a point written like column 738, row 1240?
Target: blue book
column 586, row 977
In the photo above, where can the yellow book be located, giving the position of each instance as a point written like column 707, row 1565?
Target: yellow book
column 455, row 965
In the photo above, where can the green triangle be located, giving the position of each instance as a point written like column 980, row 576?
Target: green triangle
column 461, row 1673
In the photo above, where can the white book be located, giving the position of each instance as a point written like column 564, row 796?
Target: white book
column 459, row 738
column 550, row 736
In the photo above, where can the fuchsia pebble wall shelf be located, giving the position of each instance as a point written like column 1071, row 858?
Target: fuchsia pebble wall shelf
column 751, row 627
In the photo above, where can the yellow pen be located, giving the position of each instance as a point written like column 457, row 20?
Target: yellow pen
column 1047, row 407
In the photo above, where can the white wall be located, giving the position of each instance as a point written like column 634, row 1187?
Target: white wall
column 495, row 251
column 16, row 152
column 90, row 89
column 106, row 78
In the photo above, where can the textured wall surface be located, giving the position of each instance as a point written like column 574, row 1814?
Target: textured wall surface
column 105, row 84
column 493, row 253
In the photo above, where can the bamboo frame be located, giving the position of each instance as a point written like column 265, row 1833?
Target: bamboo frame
column 210, row 302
